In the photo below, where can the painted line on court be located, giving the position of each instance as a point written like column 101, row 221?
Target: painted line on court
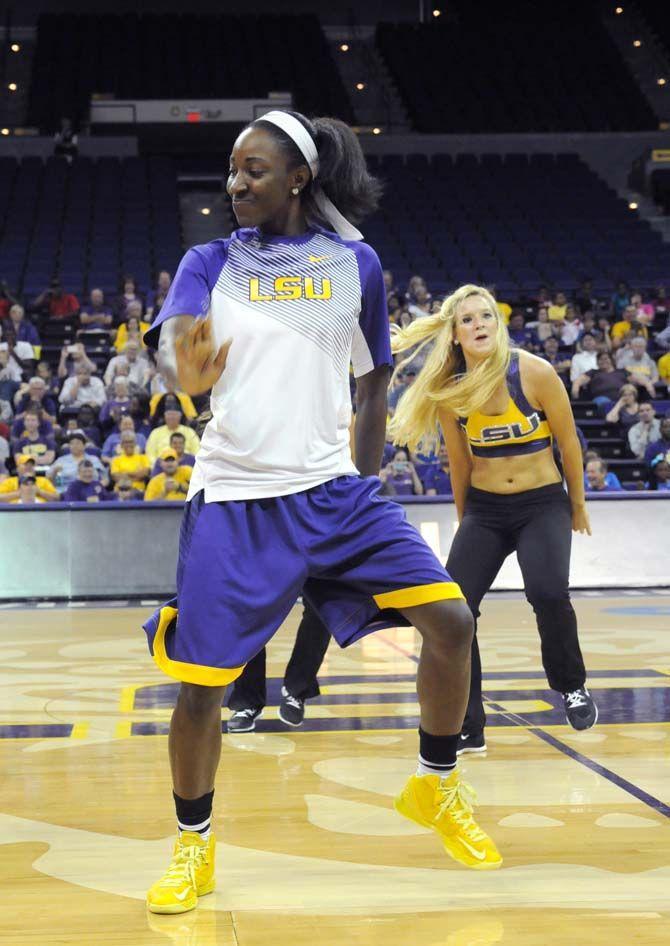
column 655, row 803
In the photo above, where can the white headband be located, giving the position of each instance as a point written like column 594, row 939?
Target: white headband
column 305, row 143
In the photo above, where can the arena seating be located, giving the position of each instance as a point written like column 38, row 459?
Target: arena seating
column 545, row 75
column 160, row 56
column 515, row 222
column 88, row 222
column 655, row 12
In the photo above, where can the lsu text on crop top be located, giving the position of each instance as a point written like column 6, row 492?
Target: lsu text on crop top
column 521, row 429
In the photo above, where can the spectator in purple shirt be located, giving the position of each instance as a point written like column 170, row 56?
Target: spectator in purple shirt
column 32, row 442
column 119, row 404
column 34, row 393
column 156, row 296
column 519, row 335
column 399, row 478
column 25, row 331
column 95, row 315
column 86, row 488
column 437, row 481
column 112, row 446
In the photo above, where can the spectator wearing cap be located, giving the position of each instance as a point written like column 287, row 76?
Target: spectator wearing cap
column 112, row 446
column 25, row 466
column 25, row 331
column 662, row 444
column 55, row 303
column 660, row 469
column 32, row 441
column 28, row 495
column 86, row 488
column 65, row 470
column 34, row 393
column 130, row 463
column 178, row 444
column 159, row 438
column 586, row 359
column 138, row 368
column 437, row 480
column 172, row 483
column 646, row 431
column 95, row 315
column 82, row 389
column 596, row 478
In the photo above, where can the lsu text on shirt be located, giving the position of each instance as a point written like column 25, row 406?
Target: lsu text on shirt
column 299, row 310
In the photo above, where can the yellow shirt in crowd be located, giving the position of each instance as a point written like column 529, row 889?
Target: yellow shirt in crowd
column 121, row 339
column 664, row 368
column 187, row 405
column 557, row 313
column 159, row 439
column 131, row 465
column 11, row 484
column 619, row 329
column 157, row 485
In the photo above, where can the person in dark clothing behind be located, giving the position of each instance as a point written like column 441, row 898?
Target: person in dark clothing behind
column 248, row 696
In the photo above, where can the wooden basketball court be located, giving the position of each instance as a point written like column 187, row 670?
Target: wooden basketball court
column 310, row 850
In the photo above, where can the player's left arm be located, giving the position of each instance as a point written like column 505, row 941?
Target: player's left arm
column 370, row 427
column 546, row 389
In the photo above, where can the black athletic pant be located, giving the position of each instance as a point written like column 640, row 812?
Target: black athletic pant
column 310, row 647
column 537, row 525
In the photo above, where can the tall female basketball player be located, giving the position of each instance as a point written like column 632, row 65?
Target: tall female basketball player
column 270, row 320
column 499, row 410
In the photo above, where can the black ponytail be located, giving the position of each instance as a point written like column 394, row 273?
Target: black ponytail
column 343, row 173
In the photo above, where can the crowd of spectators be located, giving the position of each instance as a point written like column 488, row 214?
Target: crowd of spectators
column 94, row 420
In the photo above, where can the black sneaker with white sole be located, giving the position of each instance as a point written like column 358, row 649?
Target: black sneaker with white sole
column 471, row 742
column 291, row 709
column 244, row 720
column 580, row 709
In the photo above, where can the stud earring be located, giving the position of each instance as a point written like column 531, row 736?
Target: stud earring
column 295, row 191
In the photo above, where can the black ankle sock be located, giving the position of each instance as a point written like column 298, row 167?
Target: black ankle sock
column 194, row 814
column 437, row 753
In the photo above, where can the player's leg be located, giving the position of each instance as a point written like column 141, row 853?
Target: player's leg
column 228, row 608
column 543, row 550
column 300, row 682
column 475, row 574
column 248, row 695
column 370, row 569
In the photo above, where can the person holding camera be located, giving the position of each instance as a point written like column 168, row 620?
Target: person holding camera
column 399, row 477
column 55, row 303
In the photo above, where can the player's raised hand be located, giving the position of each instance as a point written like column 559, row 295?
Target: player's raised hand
column 199, row 364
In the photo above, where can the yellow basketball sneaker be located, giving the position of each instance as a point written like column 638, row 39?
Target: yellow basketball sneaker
column 445, row 805
column 189, row 876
